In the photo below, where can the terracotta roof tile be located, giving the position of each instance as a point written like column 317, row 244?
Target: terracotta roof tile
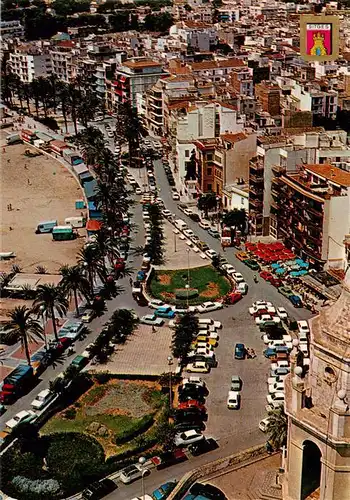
column 226, row 63
column 331, row 173
column 233, row 138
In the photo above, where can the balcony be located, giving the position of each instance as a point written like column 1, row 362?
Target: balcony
column 255, row 190
column 254, row 178
column 314, row 212
column 255, row 203
column 256, row 165
column 278, row 170
column 274, row 205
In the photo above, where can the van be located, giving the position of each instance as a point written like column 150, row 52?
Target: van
column 180, row 224
column 75, row 221
column 63, row 233
column 46, row 226
column 242, row 288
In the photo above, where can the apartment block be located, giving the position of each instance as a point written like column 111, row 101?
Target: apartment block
column 30, row 65
column 11, row 29
column 312, row 208
column 268, row 95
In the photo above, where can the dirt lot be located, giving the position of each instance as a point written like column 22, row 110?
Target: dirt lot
column 38, row 189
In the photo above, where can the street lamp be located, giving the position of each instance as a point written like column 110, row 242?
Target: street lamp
column 188, row 266
column 142, row 461
column 170, row 362
column 187, row 288
column 42, row 310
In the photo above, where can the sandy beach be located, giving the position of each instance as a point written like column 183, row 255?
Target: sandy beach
column 37, row 189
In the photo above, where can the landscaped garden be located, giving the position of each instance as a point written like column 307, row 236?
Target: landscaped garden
column 105, row 428
column 205, row 283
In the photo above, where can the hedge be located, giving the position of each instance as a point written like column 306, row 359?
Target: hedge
column 183, row 293
column 140, row 426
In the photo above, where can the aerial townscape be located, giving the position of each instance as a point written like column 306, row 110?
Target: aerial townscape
column 175, row 250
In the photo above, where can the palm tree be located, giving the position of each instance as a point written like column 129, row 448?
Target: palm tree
column 277, row 427
column 50, row 298
column 94, row 261
column 24, row 328
column 207, row 202
column 74, row 283
column 129, row 128
column 91, row 142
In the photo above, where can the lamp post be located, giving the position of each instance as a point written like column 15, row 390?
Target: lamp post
column 170, row 362
column 142, row 461
column 187, row 288
column 42, row 310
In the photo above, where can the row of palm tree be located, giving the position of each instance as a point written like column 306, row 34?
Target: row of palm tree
column 76, row 99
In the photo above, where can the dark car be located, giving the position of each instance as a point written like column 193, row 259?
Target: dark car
column 203, row 446
column 193, row 389
column 189, row 426
column 99, row 489
column 295, row 300
column 169, row 458
column 164, row 490
column 189, row 414
column 214, row 233
column 208, row 491
column 239, row 351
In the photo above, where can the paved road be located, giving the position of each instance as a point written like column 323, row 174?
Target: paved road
column 235, row 430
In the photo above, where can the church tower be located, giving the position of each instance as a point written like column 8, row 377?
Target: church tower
column 317, row 402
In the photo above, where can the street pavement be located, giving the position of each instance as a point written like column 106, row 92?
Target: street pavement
column 234, row 430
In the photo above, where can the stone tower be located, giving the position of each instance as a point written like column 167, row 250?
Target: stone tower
column 318, row 407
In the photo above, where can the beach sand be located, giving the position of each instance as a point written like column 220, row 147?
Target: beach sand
column 38, row 189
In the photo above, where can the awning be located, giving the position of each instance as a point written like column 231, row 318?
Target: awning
column 93, row 225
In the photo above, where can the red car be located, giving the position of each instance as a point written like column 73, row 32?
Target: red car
column 266, row 276
column 119, row 264
column 233, row 297
column 191, row 403
column 276, row 282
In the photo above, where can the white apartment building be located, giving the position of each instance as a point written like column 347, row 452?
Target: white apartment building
column 63, row 63
column 29, row 66
column 203, row 121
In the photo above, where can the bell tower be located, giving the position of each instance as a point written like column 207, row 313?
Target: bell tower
column 318, row 408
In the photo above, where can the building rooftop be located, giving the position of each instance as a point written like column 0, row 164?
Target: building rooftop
column 146, row 63
column 233, row 138
column 225, row 63
column 331, row 173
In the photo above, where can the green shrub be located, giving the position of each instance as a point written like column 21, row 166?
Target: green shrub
column 183, row 293
column 70, row 413
column 141, row 425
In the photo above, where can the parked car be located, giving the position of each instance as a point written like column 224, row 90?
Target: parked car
column 286, row 291
column 266, row 275
column 99, row 489
column 295, row 300
column 236, row 383
column 169, row 458
column 151, row 319
column 214, row 233
column 165, row 312
column 175, row 196
column 210, row 253
column 303, row 327
column 252, row 264
column 187, row 437
column 197, row 367
column 203, row 446
column 277, row 397
column 233, row 297
column 164, row 490
column 233, row 400
column 193, row 381
column 132, row 472
column 192, row 403
column 263, row 424
column 276, row 387
column 207, row 491
column 209, row 306
column 42, row 399
column 19, row 418
column 242, row 288
column 204, row 224
column 282, row 313
column 240, row 351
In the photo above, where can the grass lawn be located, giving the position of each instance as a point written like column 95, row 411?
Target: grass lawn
column 208, row 281
column 117, row 405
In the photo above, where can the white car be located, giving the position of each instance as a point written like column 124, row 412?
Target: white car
column 138, row 190
column 263, row 424
column 261, row 303
column 276, row 397
column 276, row 387
column 282, row 313
column 188, row 437
column 197, row 367
column 303, row 347
column 166, row 213
column 155, row 303
column 189, row 233
column 260, row 320
column 194, row 380
column 151, row 319
column 42, row 399
column 22, row 416
column 256, row 309
column 209, row 322
column 279, row 364
column 210, row 253
column 242, row 288
column 209, row 335
column 209, row 306
column 204, row 224
column 272, row 406
column 188, row 211
column 237, row 277
column 202, row 351
column 204, row 345
column 228, row 268
column 175, row 196
column 88, row 316
column 276, row 343
column 303, row 327
column 233, row 400
column 132, row 472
